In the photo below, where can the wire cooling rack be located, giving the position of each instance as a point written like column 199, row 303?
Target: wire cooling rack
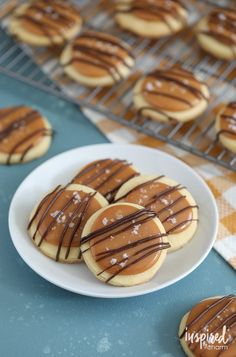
column 40, row 68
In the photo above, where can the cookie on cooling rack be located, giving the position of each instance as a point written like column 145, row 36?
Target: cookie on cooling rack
column 45, row 23
column 106, row 176
column 57, row 222
column 209, row 328
column 216, row 33
column 124, row 244
column 172, row 203
column 97, row 59
column 150, row 18
column 24, row 134
column 226, row 126
column 170, row 94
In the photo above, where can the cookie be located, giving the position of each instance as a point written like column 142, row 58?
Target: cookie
column 57, row 222
column 148, row 18
column 209, row 329
column 44, row 23
column 172, row 203
column 24, row 135
column 124, row 244
column 226, row 126
column 170, row 94
column 97, row 59
column 106, row 176
column 216, row 33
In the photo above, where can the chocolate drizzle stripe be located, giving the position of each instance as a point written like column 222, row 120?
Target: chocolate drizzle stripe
column 224, row 131
column 225, row 322
column 44, row 132
column 40, row 206
column 170, row 205
column 204, row 312
column 117, row 171
column 159, row 111
column 179, row 212
column 164, row 192
column 95, row 165
column 139, row 186
column 9, row 111
column 180, row 225
column 103, row 170
column 89, row 168
column 110, row 194
column 161, row 94
column 227, row 117
column 106, row 254
column 136, row 261
column 118, row 223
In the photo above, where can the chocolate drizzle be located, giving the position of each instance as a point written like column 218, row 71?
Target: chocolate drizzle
column 75, row 217
column 159, row 10
column 25, row 118
column 155, row 199
column 222, row 27
column 51, row 19
column 124, row 224
column 182, row 79
column 216, row 310
column 104, row 56
column 101, row 174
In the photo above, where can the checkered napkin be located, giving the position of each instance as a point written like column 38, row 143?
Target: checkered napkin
column 221, row 181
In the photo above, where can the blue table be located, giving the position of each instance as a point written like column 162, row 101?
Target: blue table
column 39, row 319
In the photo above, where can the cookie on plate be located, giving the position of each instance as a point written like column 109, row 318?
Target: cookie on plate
column 97, row 59
column 24, row 134
column 172, row 203
column 170, row 94
column 45, row 23
column 226, row 126
column 216, row 33
column 57, row 222
column 106, row 176
column 209, row 328
column 124, row 244
column 154, row 19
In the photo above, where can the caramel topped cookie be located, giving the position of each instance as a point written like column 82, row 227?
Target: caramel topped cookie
column 24, row 134
column 226, row 126
column 209, row 329
column 151, row 18
column 106, row 176
column 216, row 33
column 57, row 222
column 172, row 203
column 124, row 244
column 44, row 23
column 97, row 59
column 171, row 94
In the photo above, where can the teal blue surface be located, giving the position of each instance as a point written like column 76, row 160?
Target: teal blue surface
column 39, row 319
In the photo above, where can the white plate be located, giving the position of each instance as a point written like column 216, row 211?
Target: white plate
column 77, row 278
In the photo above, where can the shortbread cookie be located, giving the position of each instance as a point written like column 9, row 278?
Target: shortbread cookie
column 45, row 23
column 24, row 134
column 209, row 329
column 171, row 94
column 97, row 59
column 226, row 126
column 106, row 176
column 172, row 203
column 124, row 244
column 57, row 222
column 150, row 18
column 216, row 33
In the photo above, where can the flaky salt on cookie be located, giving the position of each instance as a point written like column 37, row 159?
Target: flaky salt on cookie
column 24, row 134
column 124, row 244
column 45, row 23
column 56, row 224
column 97, row 59
column 170, row 94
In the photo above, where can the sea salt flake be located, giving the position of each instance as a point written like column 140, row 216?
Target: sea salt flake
column 71, row 225
column 172, row 220
column 113, row 261
column 105, row 221
column 76, row 197
column 125, row 255
column 122, row 264
column 136, row 229
column 164, row 201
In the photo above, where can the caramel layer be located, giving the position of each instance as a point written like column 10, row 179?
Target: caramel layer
column 106, row 176
column 125, row 240
column 228, row 121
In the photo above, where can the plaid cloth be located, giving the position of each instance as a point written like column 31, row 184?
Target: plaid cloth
column 221, row 181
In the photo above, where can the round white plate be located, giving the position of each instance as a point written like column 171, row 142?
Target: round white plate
column 77, row 278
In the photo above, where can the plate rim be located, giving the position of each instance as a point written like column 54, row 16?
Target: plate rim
column 115, row 295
